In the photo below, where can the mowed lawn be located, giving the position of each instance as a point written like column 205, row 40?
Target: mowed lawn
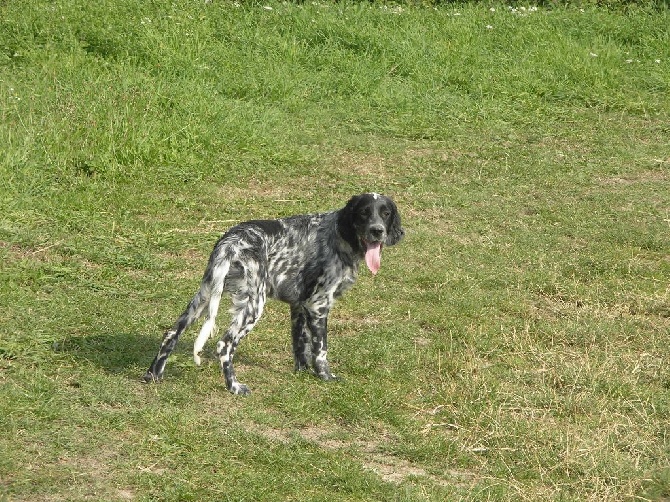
column 516, row 344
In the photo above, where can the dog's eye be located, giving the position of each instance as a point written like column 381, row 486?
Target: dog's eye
column 386, row 213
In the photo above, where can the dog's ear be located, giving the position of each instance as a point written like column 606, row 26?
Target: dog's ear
column 394, row 232
column 345, row 222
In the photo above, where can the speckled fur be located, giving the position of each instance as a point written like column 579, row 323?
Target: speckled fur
column 306, row 261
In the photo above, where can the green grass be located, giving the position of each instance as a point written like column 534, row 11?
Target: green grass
column 513, row 347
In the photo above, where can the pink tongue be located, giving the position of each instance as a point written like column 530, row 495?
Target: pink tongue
column 373, row 256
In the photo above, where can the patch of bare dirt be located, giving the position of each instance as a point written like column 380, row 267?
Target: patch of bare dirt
column 363, row 165
column 556, row 305
column 389, row 467
column 276, row 192
column 647, row 176
column 17, row 252
column 125, row 494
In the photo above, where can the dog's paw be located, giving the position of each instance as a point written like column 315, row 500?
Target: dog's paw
column 329, row 377
column 239, row 389
column 299, row 368
column 149, row 377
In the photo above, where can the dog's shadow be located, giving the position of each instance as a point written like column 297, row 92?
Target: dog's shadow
column 116, row 353
column 130, row 354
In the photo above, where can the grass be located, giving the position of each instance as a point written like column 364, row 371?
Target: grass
column 513, row 347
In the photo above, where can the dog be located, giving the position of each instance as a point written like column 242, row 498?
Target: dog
column 306, row 261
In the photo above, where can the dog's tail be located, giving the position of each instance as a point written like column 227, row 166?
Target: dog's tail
column 207, row 297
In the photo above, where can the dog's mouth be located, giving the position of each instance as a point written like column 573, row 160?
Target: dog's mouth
column 373, row 254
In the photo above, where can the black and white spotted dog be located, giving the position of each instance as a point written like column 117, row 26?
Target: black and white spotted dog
column 306, row 261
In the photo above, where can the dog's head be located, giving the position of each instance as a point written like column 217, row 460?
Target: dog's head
column 368, row 222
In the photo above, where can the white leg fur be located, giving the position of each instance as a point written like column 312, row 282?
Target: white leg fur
column 208, row 327
column 205, row 334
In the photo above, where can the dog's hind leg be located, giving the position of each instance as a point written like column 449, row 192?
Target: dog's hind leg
column 188, row 317
column 246, row 310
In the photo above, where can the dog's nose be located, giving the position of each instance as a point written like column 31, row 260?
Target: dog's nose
column 377, row 231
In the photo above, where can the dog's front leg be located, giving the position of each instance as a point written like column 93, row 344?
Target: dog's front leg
column 300, row 336
column 318, row 325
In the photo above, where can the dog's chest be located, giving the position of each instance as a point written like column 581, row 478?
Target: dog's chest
column 339, row 278
column 336, row 279
column 297, row 272
column 332, row 281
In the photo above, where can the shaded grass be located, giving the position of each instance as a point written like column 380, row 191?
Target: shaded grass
column 513, row 347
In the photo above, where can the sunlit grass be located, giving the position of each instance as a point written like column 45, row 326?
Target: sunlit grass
column 513, row 347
